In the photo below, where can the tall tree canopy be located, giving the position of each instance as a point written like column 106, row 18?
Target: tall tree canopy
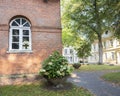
column 91, row 18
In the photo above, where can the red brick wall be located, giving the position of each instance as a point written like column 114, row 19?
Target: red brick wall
column 46, row 34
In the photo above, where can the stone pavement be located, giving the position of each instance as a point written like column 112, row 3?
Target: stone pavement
column 93, row 82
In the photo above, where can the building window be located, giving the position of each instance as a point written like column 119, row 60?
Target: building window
column 20, row 35
column 112, row 55
column 106, row 32
column 71, row 51
column 76, row 59
column 95, row 57
column 111, row 43
column 94, row 47
column 106, row 56
column 65, row 51
column 71, row 59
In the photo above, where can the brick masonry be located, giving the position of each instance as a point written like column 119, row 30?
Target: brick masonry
column 46, row 34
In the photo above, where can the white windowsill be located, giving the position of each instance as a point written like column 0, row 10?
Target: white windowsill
column 20, row 51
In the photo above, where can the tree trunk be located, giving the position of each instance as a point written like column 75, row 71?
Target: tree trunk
column 100, row 50
column 99, row 32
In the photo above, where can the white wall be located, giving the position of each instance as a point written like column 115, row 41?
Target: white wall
column 70, row 54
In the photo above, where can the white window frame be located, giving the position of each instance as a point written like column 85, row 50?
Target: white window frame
column 20, row 28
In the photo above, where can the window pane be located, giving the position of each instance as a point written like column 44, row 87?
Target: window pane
column 65, row 51
column 14, row 23
column 23, row 21
column 71, row 51
column 15, row 32
column 18, row 21
column 26, row 25
column 15, row 45
column 25, row 32
column 15, row 39
column 25, row 39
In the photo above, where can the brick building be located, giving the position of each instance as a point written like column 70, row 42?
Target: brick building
column 30, row 30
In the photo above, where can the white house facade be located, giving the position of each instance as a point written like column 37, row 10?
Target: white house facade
column 70, row 54
column 111, row 50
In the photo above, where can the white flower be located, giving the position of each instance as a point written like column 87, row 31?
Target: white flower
column 61, row 69
column 50, row 63
column 64, row 68
column 61, row 66
column 58, row 72
column 42, row 70
column 26, row 43
column 63, row 74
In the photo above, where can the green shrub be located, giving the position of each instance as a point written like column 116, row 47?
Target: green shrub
column 76, row 65
column 55, row 66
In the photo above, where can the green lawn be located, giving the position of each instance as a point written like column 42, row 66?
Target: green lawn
column 96, row 67
column 37, row 90
column 112, row 77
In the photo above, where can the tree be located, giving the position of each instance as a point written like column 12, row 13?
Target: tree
column 91, row 18
column 83, row 50
column 68, row 37
column 116, row 29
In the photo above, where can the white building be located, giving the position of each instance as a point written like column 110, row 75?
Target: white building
column 111, row 50
column 70, row 54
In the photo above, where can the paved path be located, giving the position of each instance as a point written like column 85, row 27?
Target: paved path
column 93, row 82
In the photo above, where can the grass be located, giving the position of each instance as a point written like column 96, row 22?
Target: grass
column 112, row 77
column 38, row 90
column 95, row 67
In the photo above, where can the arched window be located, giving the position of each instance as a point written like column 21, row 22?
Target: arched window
column 20, row 35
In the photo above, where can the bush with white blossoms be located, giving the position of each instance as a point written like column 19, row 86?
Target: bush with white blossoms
column 55, row 66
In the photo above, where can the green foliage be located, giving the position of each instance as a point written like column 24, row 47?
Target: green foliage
column 116, row 29
column 68, row 37
column 84, row 49
column 76, row 65
column 91, row 18
column 55, row 66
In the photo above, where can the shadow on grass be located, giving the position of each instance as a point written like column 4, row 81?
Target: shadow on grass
column 63, row 86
